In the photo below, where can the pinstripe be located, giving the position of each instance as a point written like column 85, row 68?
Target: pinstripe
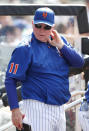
column 35, row 107
column 38, row 117
column 43, row 117
column 83, row 120
column 48, row 119
column 85, row 124
column 33, row 116
column 52, row 118
column 29, row 112
column 27, row 108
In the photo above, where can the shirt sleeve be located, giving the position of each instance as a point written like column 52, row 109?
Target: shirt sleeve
column 16, row 70
column 19, row 63
column 10, row 85
column 87, row 93
column 69, row 53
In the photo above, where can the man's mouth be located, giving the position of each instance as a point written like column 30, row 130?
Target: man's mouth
column 41, row 35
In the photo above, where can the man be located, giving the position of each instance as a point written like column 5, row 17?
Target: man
column 41, row 63
column 83, row 114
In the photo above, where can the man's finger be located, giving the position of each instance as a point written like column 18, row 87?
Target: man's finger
column 20, row 126
column 23, row 116
column 54, row 32
column 49, row 40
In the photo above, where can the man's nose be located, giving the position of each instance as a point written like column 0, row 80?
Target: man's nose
column 42, row 29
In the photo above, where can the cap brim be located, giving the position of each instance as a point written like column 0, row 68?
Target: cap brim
column 45, row 22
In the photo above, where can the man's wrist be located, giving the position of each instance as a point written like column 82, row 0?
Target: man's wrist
column 60, row 46
column 15, row 109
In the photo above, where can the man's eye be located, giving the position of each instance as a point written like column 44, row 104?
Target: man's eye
column 37, row 25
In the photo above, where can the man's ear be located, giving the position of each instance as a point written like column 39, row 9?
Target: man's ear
column 54, row 26
column 32, row 22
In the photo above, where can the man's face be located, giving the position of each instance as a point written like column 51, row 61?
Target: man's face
column 42, row 31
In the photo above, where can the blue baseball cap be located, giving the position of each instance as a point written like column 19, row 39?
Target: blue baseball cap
column 44, row 15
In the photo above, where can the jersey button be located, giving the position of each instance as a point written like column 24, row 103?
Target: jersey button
column 48, row 46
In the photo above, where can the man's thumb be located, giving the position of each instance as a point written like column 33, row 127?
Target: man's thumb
column 23, row 116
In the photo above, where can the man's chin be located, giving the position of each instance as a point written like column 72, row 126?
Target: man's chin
column 42, row 40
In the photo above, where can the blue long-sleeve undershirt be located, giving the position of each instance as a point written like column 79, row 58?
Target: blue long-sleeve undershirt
column 74, row 59
column 10, row 85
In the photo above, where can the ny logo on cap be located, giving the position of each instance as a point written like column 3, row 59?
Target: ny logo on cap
column 44, row 14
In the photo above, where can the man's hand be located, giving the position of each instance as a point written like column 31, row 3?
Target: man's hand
column 17, row 118
column 57, row 41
